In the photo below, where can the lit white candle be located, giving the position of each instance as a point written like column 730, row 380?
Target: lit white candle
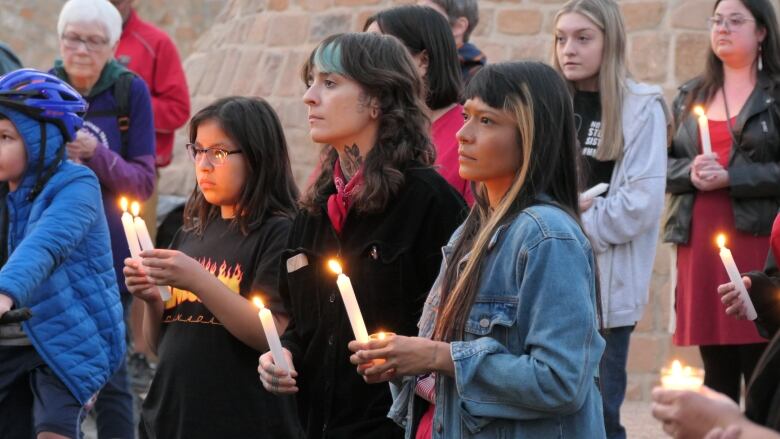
column 735, row 277
column 129, row 228
column 704, row 130
column 682, row 378
column 350, row 302
column 146, row 243
column 271, row 335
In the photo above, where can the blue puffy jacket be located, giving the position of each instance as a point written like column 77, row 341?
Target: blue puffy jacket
column 60, row 265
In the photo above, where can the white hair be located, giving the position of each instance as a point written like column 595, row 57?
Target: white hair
column 88, row 11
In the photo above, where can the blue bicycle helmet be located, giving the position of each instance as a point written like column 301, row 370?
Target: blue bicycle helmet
column 44, row 97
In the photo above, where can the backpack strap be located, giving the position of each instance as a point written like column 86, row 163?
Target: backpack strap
column 122, row 110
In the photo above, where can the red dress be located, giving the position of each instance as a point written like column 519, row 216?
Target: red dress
column 701, row 318
column 443, row 132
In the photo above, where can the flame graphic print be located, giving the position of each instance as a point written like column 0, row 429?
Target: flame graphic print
column 230, row 276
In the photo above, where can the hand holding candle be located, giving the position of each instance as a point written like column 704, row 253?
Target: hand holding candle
column 704, row 130
column 678, row 377
column 350, row 302
column 735, row 277
column 271, row 335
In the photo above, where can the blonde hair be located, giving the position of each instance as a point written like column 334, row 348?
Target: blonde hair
column 605, row 14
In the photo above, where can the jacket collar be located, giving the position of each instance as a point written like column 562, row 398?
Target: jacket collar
column 108, row 76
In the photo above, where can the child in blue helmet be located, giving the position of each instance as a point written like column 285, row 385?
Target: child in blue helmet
column 57, row 262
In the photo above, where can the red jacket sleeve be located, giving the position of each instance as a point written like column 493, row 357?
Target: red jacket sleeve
column 170, row 95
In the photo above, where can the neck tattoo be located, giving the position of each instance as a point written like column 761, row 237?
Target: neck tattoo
column 350, row 161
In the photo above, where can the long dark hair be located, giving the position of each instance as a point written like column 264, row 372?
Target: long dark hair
column 712, row 78
column 423, row 29
column 385, row 71
column 537, row 97
column 270, row 189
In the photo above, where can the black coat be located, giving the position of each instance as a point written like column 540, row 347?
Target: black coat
column 392, row 259
column 762, row 400
column 753, row 166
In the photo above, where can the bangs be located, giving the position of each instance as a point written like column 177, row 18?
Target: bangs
column 491, row 86
column 327, row 58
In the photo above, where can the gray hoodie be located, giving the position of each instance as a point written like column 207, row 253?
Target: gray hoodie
column 623, row 226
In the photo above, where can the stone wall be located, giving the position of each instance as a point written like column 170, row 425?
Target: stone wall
column 256, row 47
column 30, row 26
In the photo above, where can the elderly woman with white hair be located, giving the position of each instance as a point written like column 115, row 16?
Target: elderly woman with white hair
column 116, row 142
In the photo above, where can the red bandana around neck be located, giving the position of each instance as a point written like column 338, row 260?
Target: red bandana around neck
column 340, row 202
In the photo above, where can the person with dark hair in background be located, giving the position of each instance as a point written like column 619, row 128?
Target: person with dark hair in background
column 381, row 209
column 427, row 37
column 463, row 16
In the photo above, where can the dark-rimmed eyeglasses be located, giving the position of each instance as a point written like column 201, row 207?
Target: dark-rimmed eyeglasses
column 215, row 155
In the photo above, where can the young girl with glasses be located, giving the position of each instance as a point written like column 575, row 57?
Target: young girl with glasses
column 208, row 335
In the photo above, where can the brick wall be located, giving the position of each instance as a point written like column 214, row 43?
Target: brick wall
column 256, row 47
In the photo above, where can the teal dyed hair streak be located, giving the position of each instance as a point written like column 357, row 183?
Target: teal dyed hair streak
column 327, row 59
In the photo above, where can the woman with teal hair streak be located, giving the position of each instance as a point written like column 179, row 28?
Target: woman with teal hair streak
column 381, row 209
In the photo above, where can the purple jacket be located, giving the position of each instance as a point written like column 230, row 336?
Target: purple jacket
column 132, row 176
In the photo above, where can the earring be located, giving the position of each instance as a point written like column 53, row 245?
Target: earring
column 760, row 59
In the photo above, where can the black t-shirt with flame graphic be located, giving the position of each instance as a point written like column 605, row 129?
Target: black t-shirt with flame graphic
column 206, row 385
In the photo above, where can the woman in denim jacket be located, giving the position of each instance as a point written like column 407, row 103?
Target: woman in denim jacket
column 509, row 343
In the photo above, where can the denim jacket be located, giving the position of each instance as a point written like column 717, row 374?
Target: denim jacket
column 528, row 364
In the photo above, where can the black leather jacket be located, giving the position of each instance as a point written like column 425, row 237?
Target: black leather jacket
column 753, row 167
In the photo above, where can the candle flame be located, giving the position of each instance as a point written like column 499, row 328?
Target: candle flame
column 721, row 240
column 677, row 368
column 258, row 303
column 123, row 204
column 135, row 208
column 381, row 335
column 335, row 266
column 699, row 110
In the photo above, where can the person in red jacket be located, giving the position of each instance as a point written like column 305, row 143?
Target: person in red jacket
column 150, row 52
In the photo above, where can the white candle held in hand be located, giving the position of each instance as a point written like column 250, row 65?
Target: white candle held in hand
column 350, row 302
column 735, row 277
column 129, row 228
column 146, row 243
column 271, row 335
column 704, row 130
column 594, row 192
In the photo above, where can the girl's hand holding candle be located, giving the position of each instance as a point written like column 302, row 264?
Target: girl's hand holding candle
column 735, row 277
column 401, row 356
